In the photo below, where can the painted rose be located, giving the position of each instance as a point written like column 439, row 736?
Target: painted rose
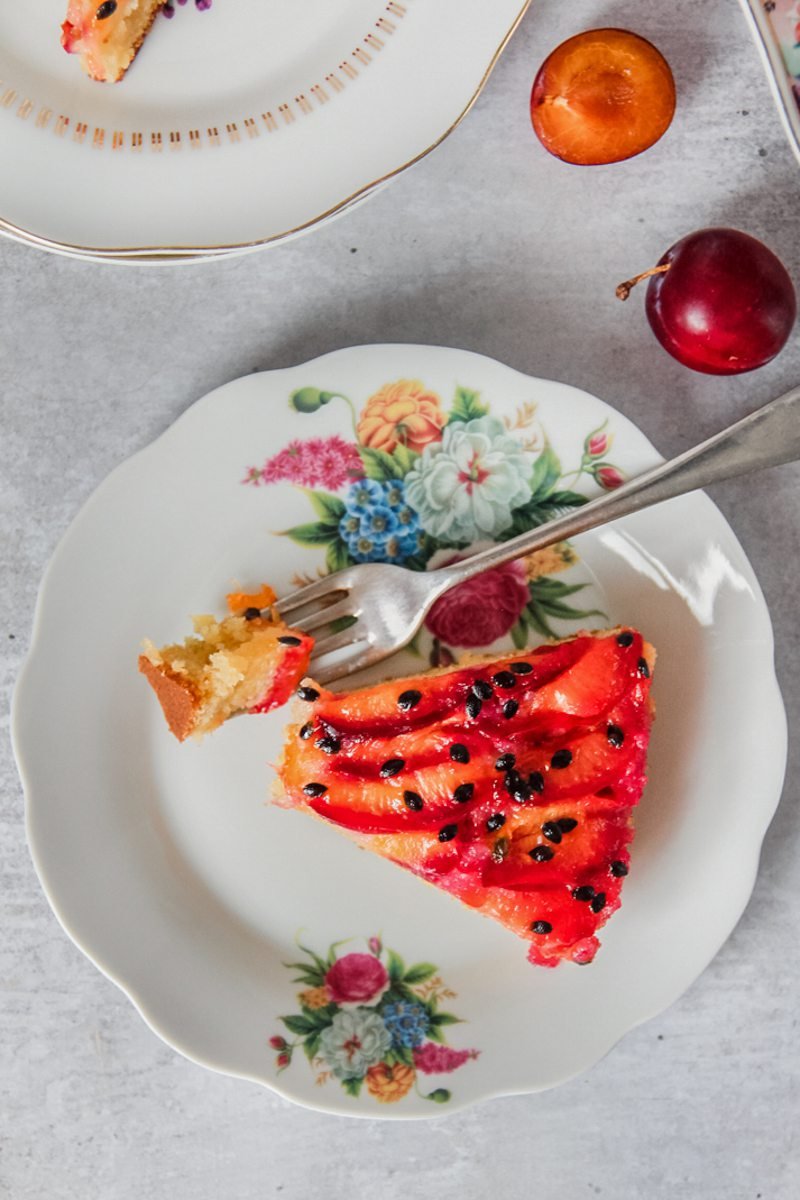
column 389, row 1083
column 467, row 486
column 597, row 443
column 609, row 477
column 355, row 1040
column 481, row 610
column 401, row 413
column 356, row 979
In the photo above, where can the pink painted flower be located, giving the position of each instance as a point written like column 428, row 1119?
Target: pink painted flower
column 609, row 477
column 440, row 1060
column 483, row 609
column 277, row 1043
column 283, row 1060
column 318, row 462
column 597, row 443
column 356, row 979
column 375, row 945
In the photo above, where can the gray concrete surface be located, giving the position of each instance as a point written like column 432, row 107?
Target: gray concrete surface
column 491, row 245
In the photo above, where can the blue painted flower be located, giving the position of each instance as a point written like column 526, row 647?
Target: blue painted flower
column 408, row 1023
column 378, row 525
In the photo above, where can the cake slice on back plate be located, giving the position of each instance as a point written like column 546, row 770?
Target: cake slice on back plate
column 107, row 35
column 509, row 783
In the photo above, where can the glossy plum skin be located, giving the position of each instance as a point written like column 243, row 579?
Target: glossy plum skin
column 602, row 96
column 725, row 306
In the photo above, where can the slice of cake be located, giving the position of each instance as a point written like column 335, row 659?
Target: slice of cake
column 107, row 35
column 247, row 662
column 508, row 783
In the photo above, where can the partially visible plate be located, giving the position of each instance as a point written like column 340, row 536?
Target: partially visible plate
column 168, row 867
column 776, row 27
column 236, row 126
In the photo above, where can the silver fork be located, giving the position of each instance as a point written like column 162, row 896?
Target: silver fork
column 387, row 604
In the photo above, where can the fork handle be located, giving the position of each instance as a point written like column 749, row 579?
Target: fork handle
column 766, row 438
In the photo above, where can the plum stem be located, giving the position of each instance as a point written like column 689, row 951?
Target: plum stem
column 624, row 290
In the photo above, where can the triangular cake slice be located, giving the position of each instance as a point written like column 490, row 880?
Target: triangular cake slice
column 248, row 662
column 508, row 783
column 107, row 35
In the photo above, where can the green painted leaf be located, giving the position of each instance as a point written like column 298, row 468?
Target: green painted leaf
column 397, row 968
column 311, row 1046
column 403, row 1054
column 546, row 472
column 352, row 1086
column 439, row 1096
column 446, row 1019
column 296, row 1024
column 419, row 972
column 545, row 587
column 326, row 505
column 319, row 963
column 435, row 1034
column 467, row 406
column 538, row 621
column 310, row 979
column 379, row 465
column 319, row 1018
column 337, row 556
column 404, row 458
column 316, row 533
column 519, row 633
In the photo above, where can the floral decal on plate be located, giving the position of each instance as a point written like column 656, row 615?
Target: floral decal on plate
column 422, row 484
column 784, row 16
column 371, row 1023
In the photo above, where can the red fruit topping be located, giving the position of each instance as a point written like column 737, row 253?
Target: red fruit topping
column 526, row 817
column 601, row 97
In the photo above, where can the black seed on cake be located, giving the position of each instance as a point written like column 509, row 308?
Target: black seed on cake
column 541, row 927
column 624, row 639
column 251, row 614
column 510, row 709
column 330, row 744
column 541, row 853
column 459, row 752
column 567, row 824
column 308, row 693
column 409, row 699
column 551, row 831
column 643, row 668
column 447, row 833
column 561, row 759
column 392, row 766
column 474, row 706
column 495, row 821
column 615, row 735
column 463, row 793
column 288, row 640
column 599, row 902
column 521, row 668
column 585, row 893
column 482, row 689
column 504, row 679
column 536, row 781
column 315, row 789
column 505, row 762
column 619, row 869
column 306, row 731
column 413, row 800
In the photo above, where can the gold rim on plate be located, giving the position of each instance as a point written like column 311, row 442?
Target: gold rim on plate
column 163, row 254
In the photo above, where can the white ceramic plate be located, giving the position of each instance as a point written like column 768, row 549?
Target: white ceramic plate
column 235, row 126
column 775, row 24
column 168, row 867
